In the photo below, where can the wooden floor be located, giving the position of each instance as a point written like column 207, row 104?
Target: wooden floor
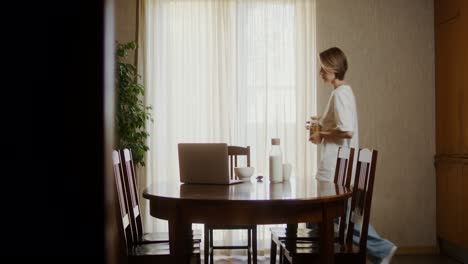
column 399, row 259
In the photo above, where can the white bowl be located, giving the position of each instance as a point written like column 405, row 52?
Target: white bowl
column 244, row 172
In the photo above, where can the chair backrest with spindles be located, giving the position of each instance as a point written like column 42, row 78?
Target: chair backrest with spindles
column 124, row 220
column 343, row 173
column 129, row 179
column 233, row 152
column 362, row 196
column 344, row 164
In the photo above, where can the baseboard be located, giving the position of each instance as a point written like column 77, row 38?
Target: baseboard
column 426, row 250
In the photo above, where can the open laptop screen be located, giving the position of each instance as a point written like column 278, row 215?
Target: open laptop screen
column 203, row 163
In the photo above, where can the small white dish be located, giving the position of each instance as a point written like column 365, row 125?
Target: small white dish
column 244, row 172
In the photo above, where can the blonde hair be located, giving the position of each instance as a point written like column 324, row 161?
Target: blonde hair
column 335, row 60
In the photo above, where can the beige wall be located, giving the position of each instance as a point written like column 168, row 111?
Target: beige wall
column 125, row 22
column 390, row 50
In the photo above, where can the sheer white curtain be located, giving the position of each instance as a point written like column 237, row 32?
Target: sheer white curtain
column 240, row 72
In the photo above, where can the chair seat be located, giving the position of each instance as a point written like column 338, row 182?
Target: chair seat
column 309, row 250
column 157, row 249
column 303, row 237
column 303, row 234
column 280, row 233
column 161, row 237
column 159, row 252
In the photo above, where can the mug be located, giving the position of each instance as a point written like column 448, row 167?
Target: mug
column 287, row 168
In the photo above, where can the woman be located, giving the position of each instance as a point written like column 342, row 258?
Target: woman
column 339, row 127
column 338, row 123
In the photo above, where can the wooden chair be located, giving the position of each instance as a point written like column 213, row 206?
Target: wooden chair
column 343, row 172
column 136, row 251
column 233, row 152
column 129, row 179
column 345, row 252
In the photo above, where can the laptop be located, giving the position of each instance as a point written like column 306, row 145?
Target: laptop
column 204, row 163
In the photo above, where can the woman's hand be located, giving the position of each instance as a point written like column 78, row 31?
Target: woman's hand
column 315, row 138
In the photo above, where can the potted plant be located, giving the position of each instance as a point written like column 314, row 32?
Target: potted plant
column 132, row 114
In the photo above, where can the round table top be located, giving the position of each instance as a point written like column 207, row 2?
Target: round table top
column 249, row 191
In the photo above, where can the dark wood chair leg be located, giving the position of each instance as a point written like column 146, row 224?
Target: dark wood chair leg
column 207, row 245
column 281, row 259
column 211, row 246
column 249, row 246
column 254, row 244
column 272, row 251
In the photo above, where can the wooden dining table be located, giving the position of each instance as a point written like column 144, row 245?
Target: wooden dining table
column 258, row 203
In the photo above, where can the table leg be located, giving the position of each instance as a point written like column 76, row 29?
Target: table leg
column 326, row 233
column 206, row 237
column 254, row 244
column 180, row 241
column 291, row 241
column 291, row 229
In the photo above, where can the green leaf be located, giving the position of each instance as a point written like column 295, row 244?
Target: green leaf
column 132, row 113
